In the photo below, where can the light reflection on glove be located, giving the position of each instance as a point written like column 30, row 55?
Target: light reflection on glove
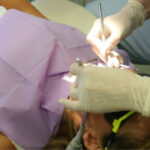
column 103, row 90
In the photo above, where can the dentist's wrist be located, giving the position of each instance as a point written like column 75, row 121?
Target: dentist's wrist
column 146, row 5
column 137, row 12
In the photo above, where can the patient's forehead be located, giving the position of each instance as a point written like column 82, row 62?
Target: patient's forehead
column 93, row 119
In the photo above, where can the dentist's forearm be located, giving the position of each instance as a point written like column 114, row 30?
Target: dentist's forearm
column 146, row 4
column 22, row 5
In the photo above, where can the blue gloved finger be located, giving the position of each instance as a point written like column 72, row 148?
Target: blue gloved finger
column 76, row 69
column 74, row 105
column 74, row 91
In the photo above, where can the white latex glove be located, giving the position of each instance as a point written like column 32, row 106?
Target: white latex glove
column 116, row 28
column 103, row 90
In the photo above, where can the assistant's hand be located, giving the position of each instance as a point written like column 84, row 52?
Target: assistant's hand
column 116, row 28
column 103, row 90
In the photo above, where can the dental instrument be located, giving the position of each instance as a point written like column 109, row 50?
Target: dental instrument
column 79, row 62
column 101, row 22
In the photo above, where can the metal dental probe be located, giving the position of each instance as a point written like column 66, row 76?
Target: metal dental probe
column 102, row 27
column 79, row 62
column 101, row 22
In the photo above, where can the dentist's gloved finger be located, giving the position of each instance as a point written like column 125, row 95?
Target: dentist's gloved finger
column 70, row 104
column 112, row 41
column 94, row 38
column 74, row 92
column 75, row 69
column 96, row 51
column 98, row 47
column 95, row 31
column 101, row 54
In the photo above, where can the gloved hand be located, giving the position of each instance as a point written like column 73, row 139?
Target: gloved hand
column 116, row 28
column 103, row 90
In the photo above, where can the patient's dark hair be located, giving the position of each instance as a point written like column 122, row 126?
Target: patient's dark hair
column 124, row 142
column 64, row 135
column 68, row 130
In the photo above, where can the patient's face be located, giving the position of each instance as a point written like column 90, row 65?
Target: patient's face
column 97, row 128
